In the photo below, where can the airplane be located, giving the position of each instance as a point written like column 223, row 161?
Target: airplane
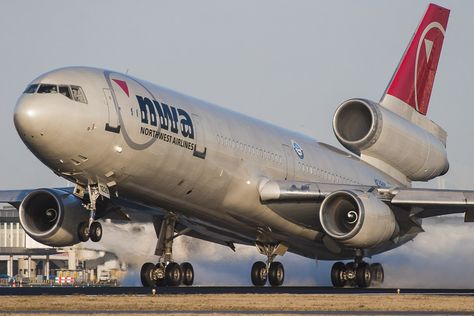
column 135, row 150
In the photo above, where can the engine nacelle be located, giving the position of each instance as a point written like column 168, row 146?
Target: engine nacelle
column 364, row 127
column 52, row 217
column 357, row 220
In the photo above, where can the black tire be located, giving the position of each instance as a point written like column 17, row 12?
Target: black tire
column 337, row 274
column 188, row 273
column 173, row 274
column 377, row 273
column 146, row 275
column 259, row 273
column 96, row 231
column 276, row 274
column 83, row 231
column 363, row 275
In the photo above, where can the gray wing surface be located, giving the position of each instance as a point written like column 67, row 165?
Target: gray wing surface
column 13, row 197
column 127, row 210
column 421, row 203
column 433, row 202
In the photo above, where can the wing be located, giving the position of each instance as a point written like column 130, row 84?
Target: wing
column 121, row 209
column 432, row 202
column 421, row 203
column 13, row 197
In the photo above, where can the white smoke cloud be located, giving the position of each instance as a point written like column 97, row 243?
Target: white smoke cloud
column 438, row 258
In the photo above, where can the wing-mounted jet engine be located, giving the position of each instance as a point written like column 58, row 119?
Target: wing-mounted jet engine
column 52, row 217
column 358, row 220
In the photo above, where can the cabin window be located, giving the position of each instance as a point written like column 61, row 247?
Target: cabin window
column 31, row 88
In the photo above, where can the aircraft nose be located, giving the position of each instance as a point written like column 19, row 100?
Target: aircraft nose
column 29, row 118
column 39, row 121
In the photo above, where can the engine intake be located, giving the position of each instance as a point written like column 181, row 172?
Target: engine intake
column 357, row 220
column 52, row 217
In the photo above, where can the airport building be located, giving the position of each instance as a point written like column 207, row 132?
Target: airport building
column 24, row 260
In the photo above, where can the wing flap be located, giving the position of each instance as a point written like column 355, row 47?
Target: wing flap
column 432, row 197
column 433, row 202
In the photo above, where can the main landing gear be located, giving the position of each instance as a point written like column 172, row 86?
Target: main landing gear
column 271, row 270
column 166, row 272
column 357, row 273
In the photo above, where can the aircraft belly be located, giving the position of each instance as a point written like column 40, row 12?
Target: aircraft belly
column 305, row 213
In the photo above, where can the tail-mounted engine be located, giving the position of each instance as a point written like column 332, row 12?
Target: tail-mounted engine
column 52, row 217
column 358, row 220
column 364, row 127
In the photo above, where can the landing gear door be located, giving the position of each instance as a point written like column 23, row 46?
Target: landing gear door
column 112, row 124
column 200, row 148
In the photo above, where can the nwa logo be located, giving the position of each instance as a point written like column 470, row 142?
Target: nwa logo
column 298, row 150
column 167, row 117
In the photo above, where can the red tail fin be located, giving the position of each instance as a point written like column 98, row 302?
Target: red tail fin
column 413, row 80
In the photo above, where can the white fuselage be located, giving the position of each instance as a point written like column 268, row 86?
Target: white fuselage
column 204, row 162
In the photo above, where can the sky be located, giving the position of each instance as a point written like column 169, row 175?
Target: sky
column 287, row 62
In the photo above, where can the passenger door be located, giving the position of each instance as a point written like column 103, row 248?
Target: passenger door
column 200, row 150
column 112, row 124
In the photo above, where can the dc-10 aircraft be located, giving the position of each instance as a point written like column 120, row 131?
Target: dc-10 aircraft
column 135, row 149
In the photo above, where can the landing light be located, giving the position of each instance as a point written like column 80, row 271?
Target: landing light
column 118, row 149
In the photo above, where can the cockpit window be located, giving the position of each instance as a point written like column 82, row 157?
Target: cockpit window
column 71, row 92
column 48, row 88
column 31, row 88
column 78, row 95
column 64, row 90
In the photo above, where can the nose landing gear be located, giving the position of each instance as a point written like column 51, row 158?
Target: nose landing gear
column 95, row 231
column 92, row 229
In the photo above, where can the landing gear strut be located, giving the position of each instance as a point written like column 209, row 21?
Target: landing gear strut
column 166, row 272
column 271, row 270
column 92, row 229
column 357, row 273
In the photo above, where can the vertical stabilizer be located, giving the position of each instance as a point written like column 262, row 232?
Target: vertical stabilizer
column 413, row 79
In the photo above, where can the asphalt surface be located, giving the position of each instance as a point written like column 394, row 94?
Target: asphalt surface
column 237, row 312
column 66, row 290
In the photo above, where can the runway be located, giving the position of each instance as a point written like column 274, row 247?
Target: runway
column 195, row 290
column 234, row 300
